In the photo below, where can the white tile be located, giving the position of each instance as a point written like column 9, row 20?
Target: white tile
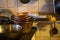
column 33, row 3
column 13, row 10
column 43, row 6
column 12, row 3
column 42, row 2
column 33, row 9
column 3, row 3
column 22, row 9
column 46, row 6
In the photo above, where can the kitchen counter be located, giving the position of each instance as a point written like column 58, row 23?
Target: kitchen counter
column 22, row 36
column 43, row 29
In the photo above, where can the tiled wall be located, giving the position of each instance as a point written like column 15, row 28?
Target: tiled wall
column 33, row 6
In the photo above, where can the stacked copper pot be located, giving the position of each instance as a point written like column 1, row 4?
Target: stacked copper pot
column 23, row 20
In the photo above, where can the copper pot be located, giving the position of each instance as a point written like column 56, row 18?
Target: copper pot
column 24, row 20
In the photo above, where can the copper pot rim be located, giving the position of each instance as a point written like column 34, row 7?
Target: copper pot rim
column 22, row 14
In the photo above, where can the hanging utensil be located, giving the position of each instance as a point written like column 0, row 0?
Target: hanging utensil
column 53, row 29
column 24, row 1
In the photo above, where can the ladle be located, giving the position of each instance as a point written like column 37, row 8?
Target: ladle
column 53, row 30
